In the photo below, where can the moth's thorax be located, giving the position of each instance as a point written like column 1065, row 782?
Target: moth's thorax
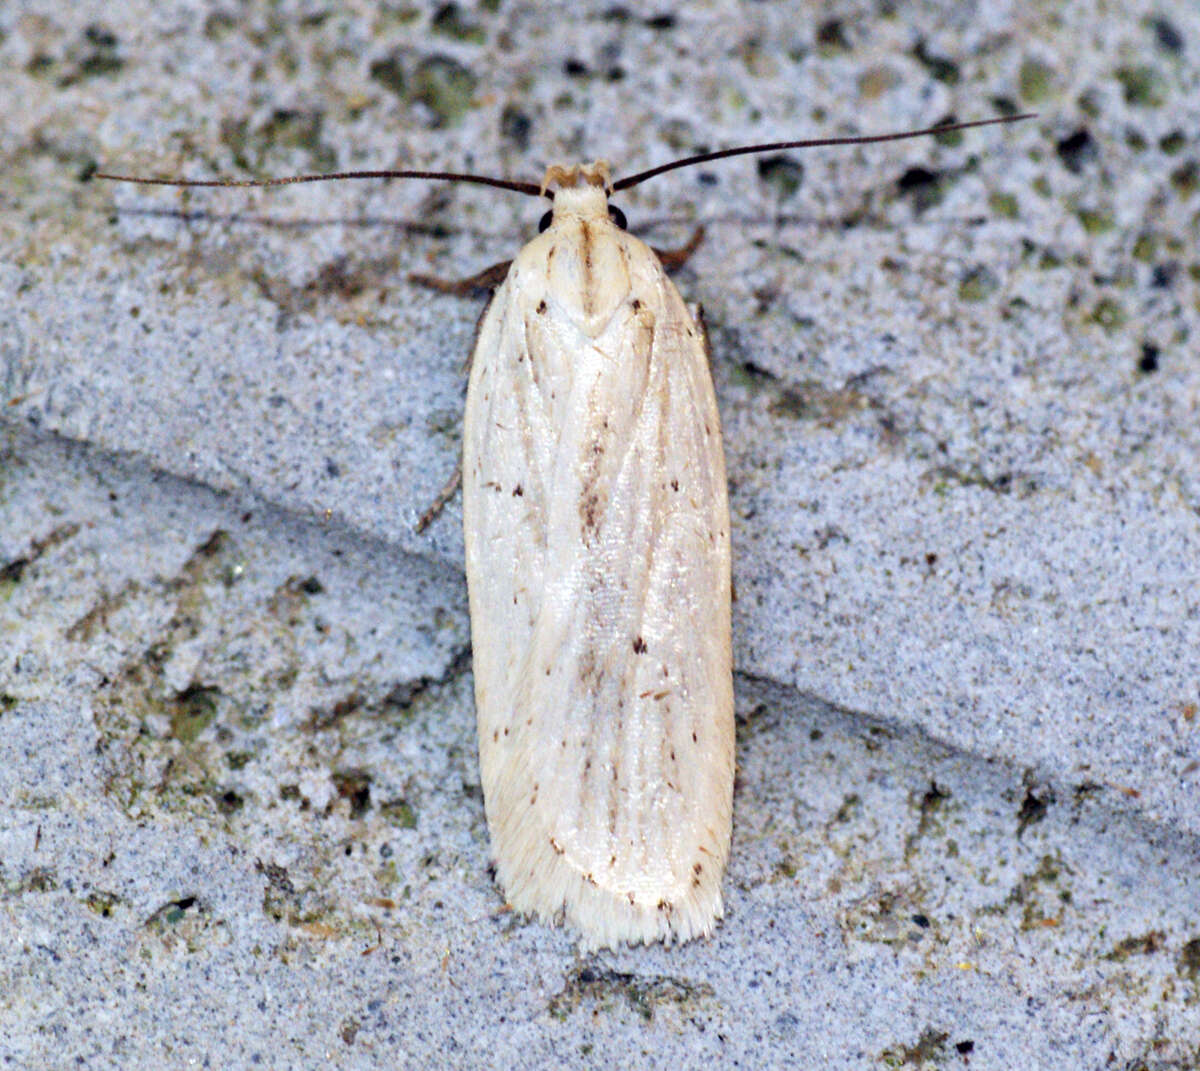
column 590, row 202
column 579, row 273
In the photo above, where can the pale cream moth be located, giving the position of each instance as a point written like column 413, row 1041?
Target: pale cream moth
column 597, row 543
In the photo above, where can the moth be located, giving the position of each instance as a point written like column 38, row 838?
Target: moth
column 597, row 536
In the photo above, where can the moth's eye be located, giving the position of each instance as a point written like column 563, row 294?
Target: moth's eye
column 618, row 217
column 544, row 222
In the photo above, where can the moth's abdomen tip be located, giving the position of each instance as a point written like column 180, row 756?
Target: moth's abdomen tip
column 554, row 892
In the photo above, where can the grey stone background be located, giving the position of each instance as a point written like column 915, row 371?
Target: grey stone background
column 240, row 818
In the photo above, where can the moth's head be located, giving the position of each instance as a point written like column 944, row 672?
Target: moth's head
column 577, row 176
column 579, row 190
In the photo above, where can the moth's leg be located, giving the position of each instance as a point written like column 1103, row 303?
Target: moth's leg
column 676, row 258
column 487, row 279
column 697, row 311
column 443, row 496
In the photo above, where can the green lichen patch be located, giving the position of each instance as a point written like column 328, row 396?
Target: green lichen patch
column 13, row 571
column 1143, row 86
column 814, row 401
column 445, row 87
column 1095, row 221
column 782, row 173
column 1109, row 314
column 875, row 81
column 192, row 711
column 923, row 188
column 1040, row 895
column 182, row 923
column 1185, row 179
column 96, row 55
column 1004, row 205
column 1036, row 81
column 1145, row 944
column 932, row 1047
column 606, row 990
column 354, row 786
column 389, row 73
column 449, row 21
column 979, row 283
column 39, row 879
column 1145, row 247
column 940, row 68
column 1188, row 963
column 515, row 126
column 102, row 903
column 897, row 918
column 831, row 38
column 1035, row 805
column 1172, row 143
column 400, row 814
column 942, row 478
column 296, row 129
column 288, row 900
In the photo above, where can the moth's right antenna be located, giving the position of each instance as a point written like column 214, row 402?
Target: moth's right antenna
column 810, row 143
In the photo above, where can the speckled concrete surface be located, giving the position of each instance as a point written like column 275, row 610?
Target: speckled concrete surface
column 241, row 821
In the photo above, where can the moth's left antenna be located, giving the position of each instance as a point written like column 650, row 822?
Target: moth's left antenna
column 530, row 188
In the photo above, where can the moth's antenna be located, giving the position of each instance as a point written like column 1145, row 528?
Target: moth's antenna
column 810, row 143
column 534, row 189
column 530, row 188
